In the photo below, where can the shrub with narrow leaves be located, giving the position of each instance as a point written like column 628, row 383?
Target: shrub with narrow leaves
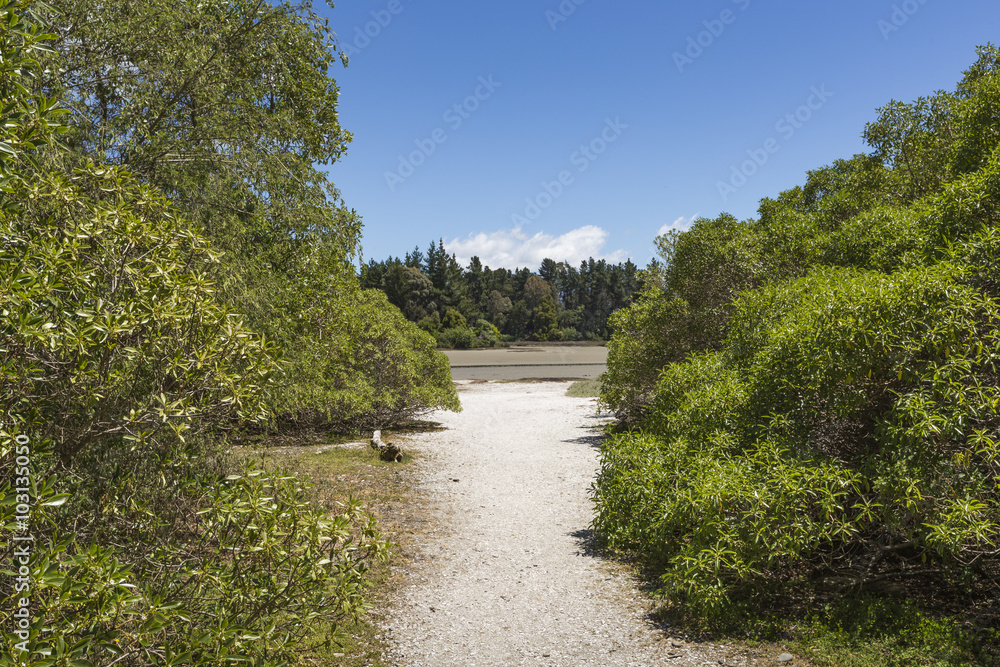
column 840, row 414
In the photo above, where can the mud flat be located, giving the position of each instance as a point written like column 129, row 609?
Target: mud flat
column 564, row 362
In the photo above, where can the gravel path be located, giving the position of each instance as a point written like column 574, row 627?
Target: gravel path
column 507, row 579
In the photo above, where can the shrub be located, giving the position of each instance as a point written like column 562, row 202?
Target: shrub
column 816, row 392
column 697, row 399
column 964, row 207
column 431, row 324
column 453, row 320
column 851, row 416
column 189, row 569
column 456, row 339
column 571, row 334
column 648, row 335
column 980, row 255
column 486, row 334
column 114, row 354
column 376, row 369
column 111, row 326
column 118, row 370
column 895, row 376
column 714, row 520
column 883, row 239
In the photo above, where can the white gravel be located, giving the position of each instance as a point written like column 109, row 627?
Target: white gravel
column 507, row 579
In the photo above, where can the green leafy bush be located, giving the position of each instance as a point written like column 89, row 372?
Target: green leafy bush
column 648, row 335
column 120, row 371
column 371, row 368
column 717, row 518
column 110, row 322
column 882, row 239
column 190, row 570
column 115, row 353
column 849, row 413
column 456, row 338
column 571, row 334
column 825, row 403
column 487, row 335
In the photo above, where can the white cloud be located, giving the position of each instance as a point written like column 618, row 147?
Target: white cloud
column 512, row 248
column 681, row 224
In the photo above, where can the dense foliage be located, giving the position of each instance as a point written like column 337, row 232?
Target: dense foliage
column 373, row 367
column 110, row 324
column 142, row 257
column 227, row 107
column 479, row 307
column 815, row 392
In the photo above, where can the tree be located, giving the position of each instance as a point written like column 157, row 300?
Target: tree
column 545, row 320
column 499, row 306
column 549, row 271
column 409, row 290
column 118, row 367
column 415, row 259
column 832, row 363
column 445, row 274
column 519, row 321
column 592, row 293
column 228, row 108
column 536, row 289
column 474, row 280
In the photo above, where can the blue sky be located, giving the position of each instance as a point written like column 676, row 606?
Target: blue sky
column 524, row 129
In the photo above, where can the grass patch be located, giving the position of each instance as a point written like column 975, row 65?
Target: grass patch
column 872, row 631
column 584, row 389
column 340, row 469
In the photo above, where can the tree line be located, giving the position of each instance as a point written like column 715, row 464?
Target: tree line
column 476, row 306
